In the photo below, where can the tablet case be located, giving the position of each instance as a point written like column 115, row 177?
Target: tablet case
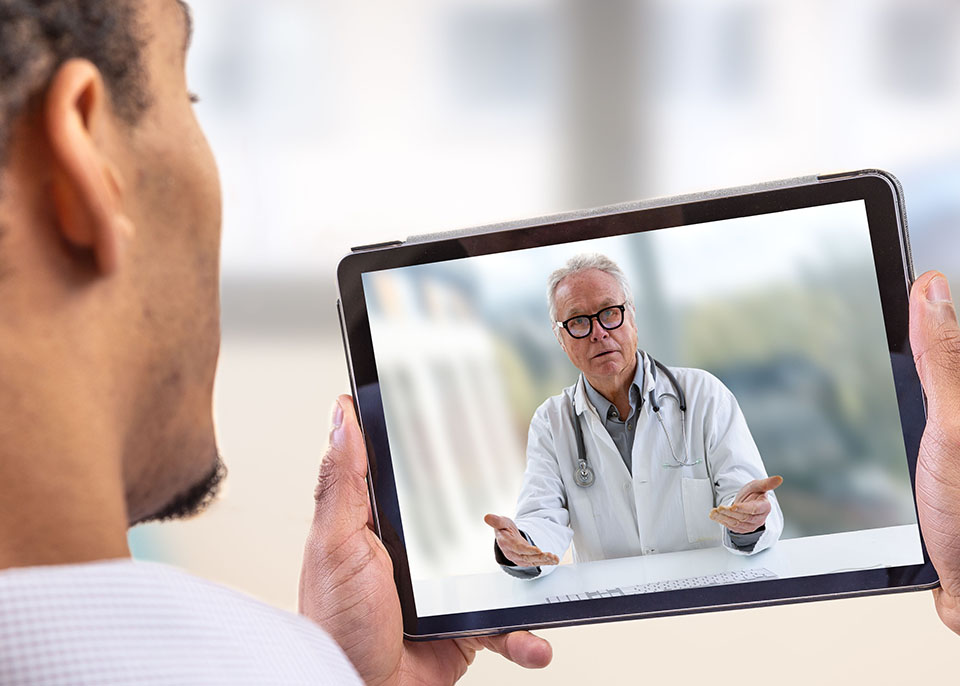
column 663, row 202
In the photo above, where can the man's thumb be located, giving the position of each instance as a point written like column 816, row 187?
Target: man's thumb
column 935, row 340
column 342, row 501
column 769, row 484
column 758, row 486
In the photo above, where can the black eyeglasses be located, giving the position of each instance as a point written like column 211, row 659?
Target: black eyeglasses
column 581, row 326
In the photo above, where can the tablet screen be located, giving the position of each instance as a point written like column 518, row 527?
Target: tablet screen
column 770, row 328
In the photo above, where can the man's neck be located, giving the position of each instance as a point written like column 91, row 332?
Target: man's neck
column 62, row 498
column 616, row 388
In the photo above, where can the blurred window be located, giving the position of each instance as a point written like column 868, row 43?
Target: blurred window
column 499, row 56
column 918, row 48
column 738, row 51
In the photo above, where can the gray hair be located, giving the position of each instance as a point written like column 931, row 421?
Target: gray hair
column 581, row 263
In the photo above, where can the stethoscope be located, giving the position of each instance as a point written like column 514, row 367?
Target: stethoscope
column 584, row 474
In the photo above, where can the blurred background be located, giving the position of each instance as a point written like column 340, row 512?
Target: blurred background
column 782, row 308
column 346, row 122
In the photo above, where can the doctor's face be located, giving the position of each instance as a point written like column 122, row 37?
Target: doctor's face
column 603, row 354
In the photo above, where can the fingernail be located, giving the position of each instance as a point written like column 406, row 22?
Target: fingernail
column 938, row 290
column 940, row 306
column 337, row 415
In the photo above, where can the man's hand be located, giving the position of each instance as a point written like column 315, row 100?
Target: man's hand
column 346, row 584
column 935, row 339
column 750, row 508
column 515, row 547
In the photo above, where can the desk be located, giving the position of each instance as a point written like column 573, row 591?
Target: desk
column 844, row 552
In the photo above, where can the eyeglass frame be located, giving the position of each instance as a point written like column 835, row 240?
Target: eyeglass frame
column 591, row 317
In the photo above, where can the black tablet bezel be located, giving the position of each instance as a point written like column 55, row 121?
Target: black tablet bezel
column 885, row 216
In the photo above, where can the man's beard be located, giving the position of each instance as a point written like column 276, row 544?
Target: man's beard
column 194, row 500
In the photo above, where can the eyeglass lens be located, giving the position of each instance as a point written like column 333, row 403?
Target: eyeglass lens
column 580, row 327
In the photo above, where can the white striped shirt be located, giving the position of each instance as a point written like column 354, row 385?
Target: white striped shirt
column 128, row 622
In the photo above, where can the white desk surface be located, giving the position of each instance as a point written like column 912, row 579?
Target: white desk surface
column 849, row 551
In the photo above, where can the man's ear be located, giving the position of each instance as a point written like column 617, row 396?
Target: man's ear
column 87, row 189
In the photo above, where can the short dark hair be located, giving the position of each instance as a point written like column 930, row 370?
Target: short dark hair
column 38, row 36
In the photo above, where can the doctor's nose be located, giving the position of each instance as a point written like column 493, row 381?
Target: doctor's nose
column 598, row 333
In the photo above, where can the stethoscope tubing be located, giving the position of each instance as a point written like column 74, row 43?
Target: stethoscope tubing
column 584, row 475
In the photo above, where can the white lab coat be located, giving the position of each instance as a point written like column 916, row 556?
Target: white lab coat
column 657, row 510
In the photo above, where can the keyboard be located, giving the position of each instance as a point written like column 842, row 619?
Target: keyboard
column 737, row 577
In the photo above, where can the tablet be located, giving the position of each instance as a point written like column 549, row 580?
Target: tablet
column 616, row 387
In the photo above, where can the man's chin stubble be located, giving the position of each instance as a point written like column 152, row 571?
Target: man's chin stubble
column 193, row 500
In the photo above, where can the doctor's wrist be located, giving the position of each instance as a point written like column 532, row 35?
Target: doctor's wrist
column 501, row 558
column 748, row 540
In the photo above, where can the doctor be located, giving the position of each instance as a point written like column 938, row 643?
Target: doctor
column 651, row 477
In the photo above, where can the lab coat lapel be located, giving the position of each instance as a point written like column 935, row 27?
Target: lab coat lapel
column 646, row 421
column 595, row 428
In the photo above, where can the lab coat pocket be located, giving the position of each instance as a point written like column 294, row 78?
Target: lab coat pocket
column 697, row 497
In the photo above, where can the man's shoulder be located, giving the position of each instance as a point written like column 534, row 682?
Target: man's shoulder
column 695, row 378
column 104, row 619
column 703, row 389
column 550, row 408
column 140, row 583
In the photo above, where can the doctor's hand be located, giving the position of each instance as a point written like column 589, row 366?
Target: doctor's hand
column 347, row 586
column 935, row 340
column 515, row 547
column 750, row 508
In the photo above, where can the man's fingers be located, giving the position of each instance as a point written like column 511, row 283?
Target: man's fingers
column 734, row 525
column 342, row 501
column 724, row 519
column 526, row 554
column 518, row 550
column 935, row 340
column 521, row 647
column 516, row 546
column 735, row 516
column 749, row 508
column 537, row 559
column 534, row 560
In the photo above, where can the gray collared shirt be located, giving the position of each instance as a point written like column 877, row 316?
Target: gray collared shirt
column 622, row 431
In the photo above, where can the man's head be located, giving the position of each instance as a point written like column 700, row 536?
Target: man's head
column 109, row 256
column 585, row 286
column 37, row 36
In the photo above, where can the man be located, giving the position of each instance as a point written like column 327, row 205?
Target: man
column 618, row 463
column 109, row 336
column 109, row 222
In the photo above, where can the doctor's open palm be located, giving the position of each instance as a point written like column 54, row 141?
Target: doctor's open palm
column 515, row 547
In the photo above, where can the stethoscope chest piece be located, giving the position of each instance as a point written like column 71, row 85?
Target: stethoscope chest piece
column 584, row 475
